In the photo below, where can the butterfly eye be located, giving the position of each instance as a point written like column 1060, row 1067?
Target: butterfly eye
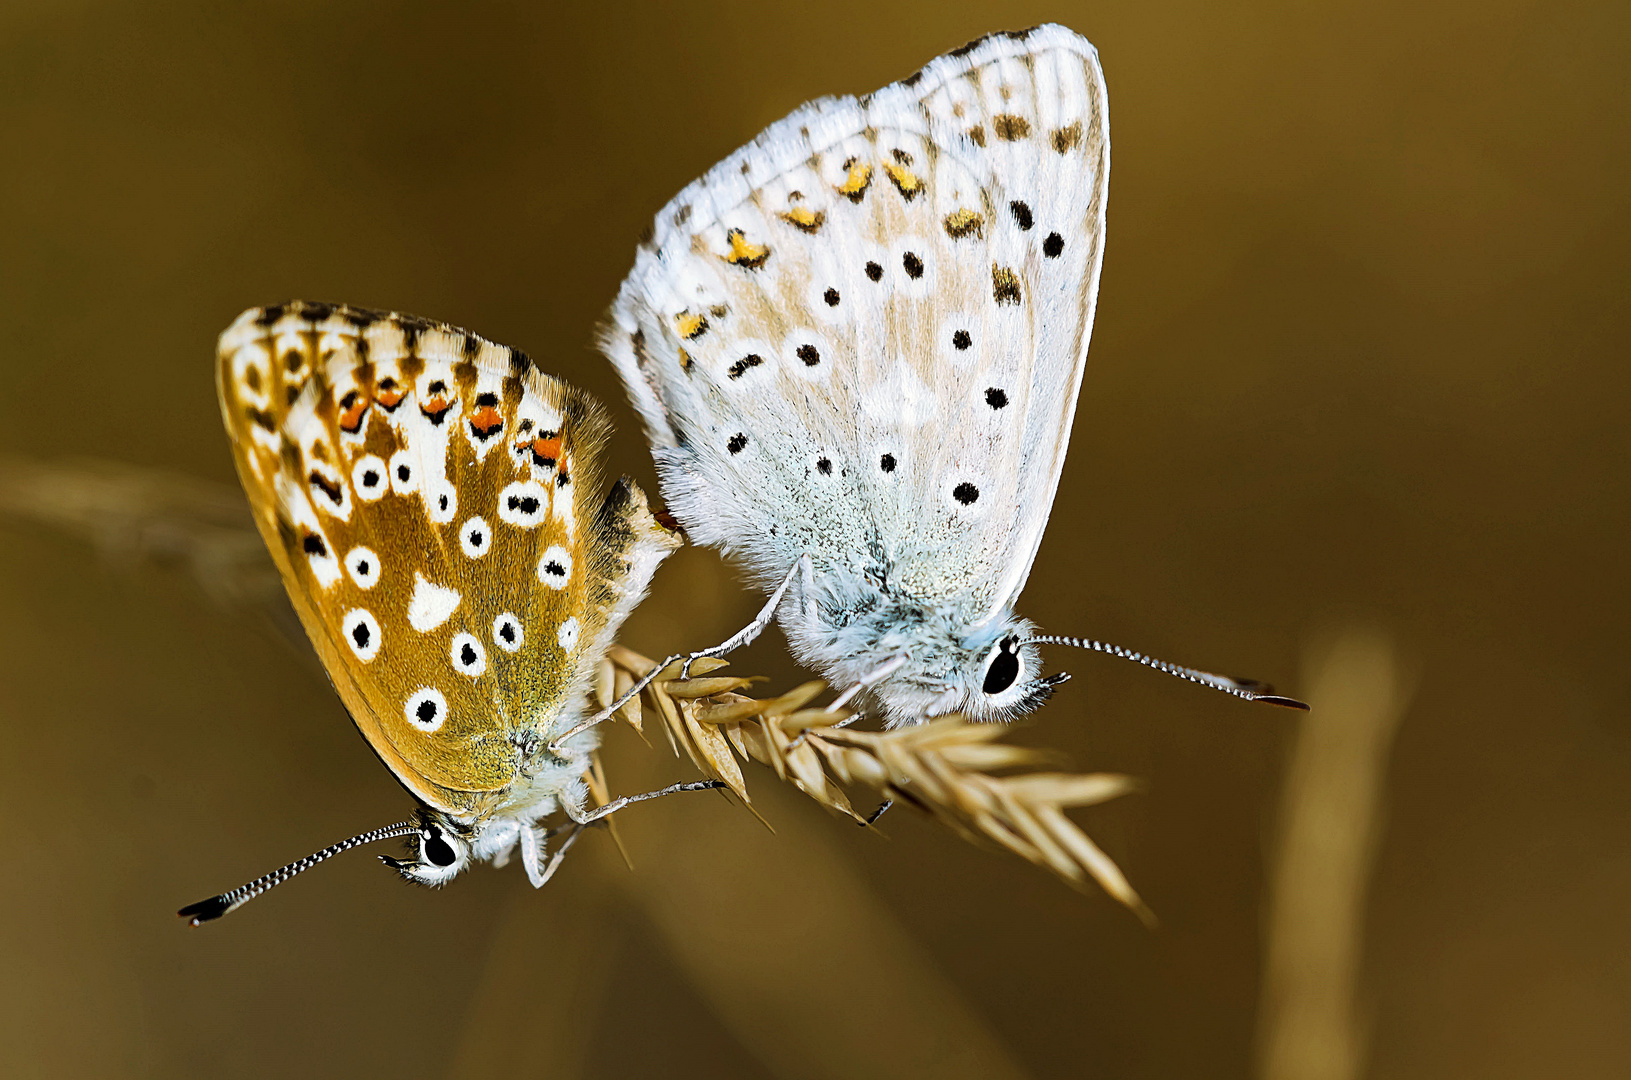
column 1002, row 668
column 507, row 633
column 436, row 849
column 426, row 709
column 468, row 655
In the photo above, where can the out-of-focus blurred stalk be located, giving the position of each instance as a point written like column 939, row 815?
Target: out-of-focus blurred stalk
column 131, row 513
column 1311, row 1023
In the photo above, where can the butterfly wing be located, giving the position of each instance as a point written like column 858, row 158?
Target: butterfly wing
column 862, row 335
column 432, row 503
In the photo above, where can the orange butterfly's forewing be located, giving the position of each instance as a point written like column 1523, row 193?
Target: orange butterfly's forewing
column 433, row 505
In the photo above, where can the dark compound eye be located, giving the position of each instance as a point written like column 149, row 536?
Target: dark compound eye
column 437, row 850
column 1003, row 669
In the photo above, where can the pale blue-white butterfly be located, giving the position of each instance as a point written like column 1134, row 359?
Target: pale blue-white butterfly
column 857, row 344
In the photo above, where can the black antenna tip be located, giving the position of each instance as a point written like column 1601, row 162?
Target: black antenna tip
column 1282, row 701
column 205, row 910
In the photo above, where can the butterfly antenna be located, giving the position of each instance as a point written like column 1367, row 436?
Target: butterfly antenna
column 217, row 906
column 1240, row 688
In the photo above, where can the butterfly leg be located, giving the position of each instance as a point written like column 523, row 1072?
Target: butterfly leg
column 529, row 855
column 744, row 636
column 877, row 674
column 628, row 800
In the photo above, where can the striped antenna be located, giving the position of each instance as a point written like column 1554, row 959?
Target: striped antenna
column 217, row 906
column 1240, row 688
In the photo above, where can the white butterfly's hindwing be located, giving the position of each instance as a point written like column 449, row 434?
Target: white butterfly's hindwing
column 861, row 337
column 416, row 485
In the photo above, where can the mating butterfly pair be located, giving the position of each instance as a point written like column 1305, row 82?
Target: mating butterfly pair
column 856, row 345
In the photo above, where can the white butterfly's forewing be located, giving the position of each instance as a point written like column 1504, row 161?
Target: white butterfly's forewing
column 862, row 335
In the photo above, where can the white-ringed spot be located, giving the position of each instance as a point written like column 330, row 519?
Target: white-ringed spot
column 361, row 633
column 426, row 709
column 431, row 604
column 555, row 568
column 567, row 636
column 475, row 538
column 363, row 566
column 523, row 504
column 404, row 472
column 468, row 655
column 507, row 633
column 441, row 501
column 369, row 478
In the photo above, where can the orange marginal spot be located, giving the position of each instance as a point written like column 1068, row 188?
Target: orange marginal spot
column 909, row 182
column 436, row 408
column 486, row 422
column 858, row 175
column 961, row 223
column 354, row 404
column 690, row 326
column 802, row 218
column 546, row 452
column 389, row 394
column 743, row 254
column 685, row 360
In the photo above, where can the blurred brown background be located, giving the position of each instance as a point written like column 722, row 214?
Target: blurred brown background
column 1354, row 422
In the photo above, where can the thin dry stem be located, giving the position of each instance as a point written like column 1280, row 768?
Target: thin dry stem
column 945, row 767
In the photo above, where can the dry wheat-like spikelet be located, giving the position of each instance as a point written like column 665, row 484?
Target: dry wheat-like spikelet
column 946, row 767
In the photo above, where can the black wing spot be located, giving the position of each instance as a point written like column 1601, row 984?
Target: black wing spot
column 1053, row 245
column 313, row 545
column 887, row 463
column 824, row 466
column 426, row 712
column 874, row 271
column 960, row 340
column 831, row 296
column 737, row 443
column 809, row 355
column 740, row 368
column 965, row 493
column 467, row 655
column 404, row 473
column 913, row 265
column 995, row 398
column 360, row 634
column 1022, row 215
column 370, row 479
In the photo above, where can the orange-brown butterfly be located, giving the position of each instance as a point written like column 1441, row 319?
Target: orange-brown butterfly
column 433, row 504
